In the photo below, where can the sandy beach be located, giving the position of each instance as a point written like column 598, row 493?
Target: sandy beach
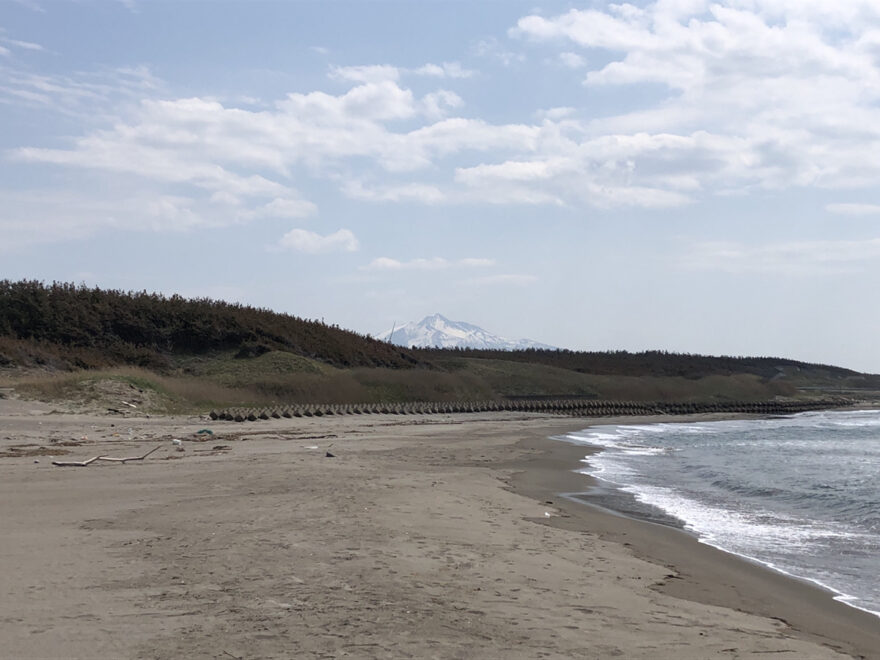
column 423, row 536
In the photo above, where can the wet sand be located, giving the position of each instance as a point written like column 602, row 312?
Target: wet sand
column 424, row 536
column 697, row 572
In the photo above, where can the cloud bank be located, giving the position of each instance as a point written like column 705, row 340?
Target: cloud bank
column 753, row 95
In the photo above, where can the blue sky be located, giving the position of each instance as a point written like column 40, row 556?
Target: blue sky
column 682, row 175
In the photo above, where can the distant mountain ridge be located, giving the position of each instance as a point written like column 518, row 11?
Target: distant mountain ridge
column 438, row 331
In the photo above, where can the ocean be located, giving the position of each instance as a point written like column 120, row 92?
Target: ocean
column 800, row 494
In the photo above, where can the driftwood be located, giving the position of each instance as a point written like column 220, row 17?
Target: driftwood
column 129, row 458
column 110, row 459
column 75, row 463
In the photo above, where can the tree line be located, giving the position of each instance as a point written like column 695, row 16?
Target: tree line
column 79, row 326
column 147, row 328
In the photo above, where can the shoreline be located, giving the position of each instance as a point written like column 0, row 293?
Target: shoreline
column 607, row 494
column 702, row 573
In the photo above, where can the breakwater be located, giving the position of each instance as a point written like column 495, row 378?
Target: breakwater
column 570, row 407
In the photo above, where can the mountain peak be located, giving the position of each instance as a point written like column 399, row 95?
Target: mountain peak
column 438, row 331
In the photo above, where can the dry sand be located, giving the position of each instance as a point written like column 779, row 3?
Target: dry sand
column 424, row 537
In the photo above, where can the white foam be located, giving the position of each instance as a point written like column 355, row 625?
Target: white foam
column 863, row 423
column 748, row 531
column 644, row 451
column 764, row 536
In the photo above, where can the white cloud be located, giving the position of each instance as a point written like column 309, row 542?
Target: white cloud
column 792, row 258
column 375, row 73
column 635, row 197
column 91, row 96
column 768, row 93
column 284, row 208
column 584, row 179
column 556, row 114
column 166, row 165
column 48, row 215
column 172, row 213
column 853, row 209
column 226, row 198
column 492, row 49
column 454, row 135
column 514, row 171
column 25, row 45
column 208, row 145
column 507, row 194
column 436, row 263
column 407, row 192
column 772, row 94
column 240, row 155
column 376, row 101
column 445, row 70
column 572, row 60
column 301, row 240
column 438, row 104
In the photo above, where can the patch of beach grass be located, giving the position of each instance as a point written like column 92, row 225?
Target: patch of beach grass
column 227, row 369
column 125, row 388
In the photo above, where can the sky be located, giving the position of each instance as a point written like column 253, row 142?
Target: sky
column 681, row 175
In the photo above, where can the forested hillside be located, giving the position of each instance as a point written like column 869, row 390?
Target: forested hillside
column 103, row 327
column 63, row 326
column 647, row 363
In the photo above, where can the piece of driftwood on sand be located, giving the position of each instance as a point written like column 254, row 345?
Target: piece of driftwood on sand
column 76, row 463
column 110, row 459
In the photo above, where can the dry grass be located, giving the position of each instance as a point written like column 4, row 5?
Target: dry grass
column 279, row 377
column 96, row 389
column 521, row 379
column 226, row 369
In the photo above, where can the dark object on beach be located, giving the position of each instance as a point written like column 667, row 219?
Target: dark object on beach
column 329, row 455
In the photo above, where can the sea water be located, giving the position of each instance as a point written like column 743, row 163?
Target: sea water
column 800, row 494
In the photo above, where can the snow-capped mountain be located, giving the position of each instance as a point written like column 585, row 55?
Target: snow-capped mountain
column 439, row 331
